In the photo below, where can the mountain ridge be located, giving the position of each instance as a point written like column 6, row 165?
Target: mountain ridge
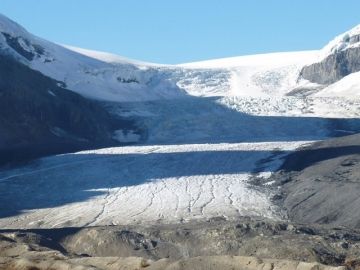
column 104, row 76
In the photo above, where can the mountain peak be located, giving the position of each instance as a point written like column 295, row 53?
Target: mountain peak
column 347, row 40
column 10, row 27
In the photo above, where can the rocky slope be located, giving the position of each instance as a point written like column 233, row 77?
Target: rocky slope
column 215, row 244
column 320, row 183
column 39, row 117
column 339, row 58
column 136, row 263
column 334, row 67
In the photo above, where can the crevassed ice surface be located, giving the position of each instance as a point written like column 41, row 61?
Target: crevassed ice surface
column 141, row 184
column 201, row 156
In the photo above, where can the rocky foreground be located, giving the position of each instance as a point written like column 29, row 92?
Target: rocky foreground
column 214, row 244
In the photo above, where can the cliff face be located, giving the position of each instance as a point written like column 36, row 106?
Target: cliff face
column 339, row 58
column 334, row 67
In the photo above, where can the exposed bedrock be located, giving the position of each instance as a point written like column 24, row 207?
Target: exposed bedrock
column 334, row 67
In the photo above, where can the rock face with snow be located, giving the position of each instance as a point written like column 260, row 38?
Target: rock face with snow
column 334, row 67
column 39, row 117
column 341, row 58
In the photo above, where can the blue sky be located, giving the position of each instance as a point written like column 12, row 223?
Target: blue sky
column 178, row 31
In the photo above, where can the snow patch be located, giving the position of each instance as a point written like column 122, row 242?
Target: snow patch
column 59, row 132
column 349, row 86
column 51, row 93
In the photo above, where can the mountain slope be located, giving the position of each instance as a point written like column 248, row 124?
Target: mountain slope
column 320, row 183
column 349, row 86
column 104, row 76
column 87, row 76
column 338, row 59
column 38, row 117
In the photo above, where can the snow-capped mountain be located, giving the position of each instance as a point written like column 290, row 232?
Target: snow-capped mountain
column 340, row 58
column 343, row 42
column 88, row 76
column 104, row 76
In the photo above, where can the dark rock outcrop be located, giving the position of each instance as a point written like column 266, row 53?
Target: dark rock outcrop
column 334, row 67
column 15, row 44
